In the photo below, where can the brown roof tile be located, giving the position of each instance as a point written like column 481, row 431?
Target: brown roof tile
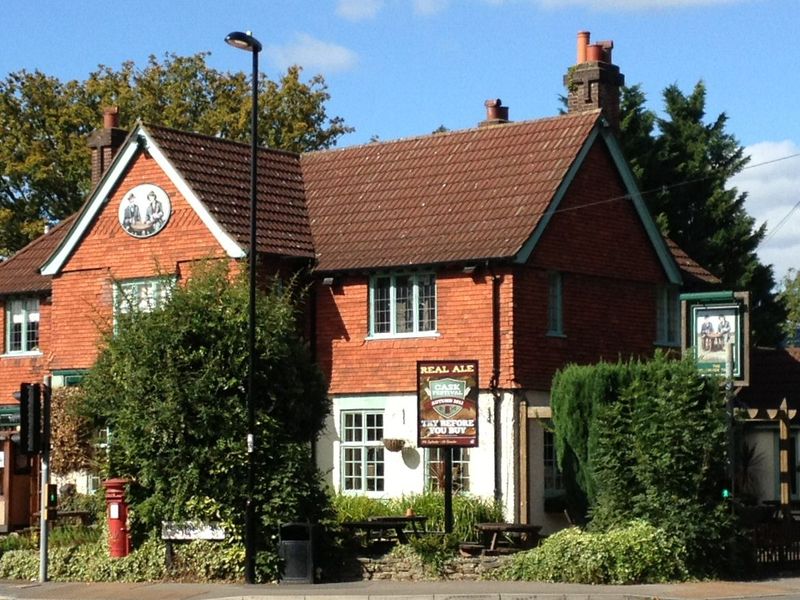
column 450, row 197
column 20, row 273
column 218, row 171
column 693, row 274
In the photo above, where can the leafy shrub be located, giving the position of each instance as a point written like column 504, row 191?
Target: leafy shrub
column 435, row 551
column 16, row 541
column 179, row 414
column 636, row 553
column 94, row 504
column 203, row 560
column 73, row 535
column 467, row 510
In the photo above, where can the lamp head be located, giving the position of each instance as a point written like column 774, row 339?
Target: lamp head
column 243, row 41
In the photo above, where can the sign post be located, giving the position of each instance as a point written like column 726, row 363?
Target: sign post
column 447, row 414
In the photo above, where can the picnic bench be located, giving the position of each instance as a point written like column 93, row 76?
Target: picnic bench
column 388, row 528
column 503, row 538
column 188, row 531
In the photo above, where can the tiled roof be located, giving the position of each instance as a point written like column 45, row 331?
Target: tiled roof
column 693, row 274
column 449, row 197
column 20, row 273
column 218, row 171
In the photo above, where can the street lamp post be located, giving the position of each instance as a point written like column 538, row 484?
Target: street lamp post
column 245, row 41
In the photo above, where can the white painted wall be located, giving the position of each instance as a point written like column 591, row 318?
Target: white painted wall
column 404, row 471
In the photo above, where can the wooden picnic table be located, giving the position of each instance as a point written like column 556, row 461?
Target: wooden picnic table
column 389, row 527
column 508, row 536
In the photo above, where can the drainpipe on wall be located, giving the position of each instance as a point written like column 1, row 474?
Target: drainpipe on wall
column 494, row 385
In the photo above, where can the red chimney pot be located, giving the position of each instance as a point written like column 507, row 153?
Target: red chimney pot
column 111, row 117
column 595, row 53
column 583, row 41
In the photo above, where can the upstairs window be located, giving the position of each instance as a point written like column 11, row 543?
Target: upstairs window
column 555, row 316
column 402, row 304
column 668, row 306
column 141, row 295
column 22, row 326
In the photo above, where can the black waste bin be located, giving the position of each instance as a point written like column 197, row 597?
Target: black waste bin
column 296, row 549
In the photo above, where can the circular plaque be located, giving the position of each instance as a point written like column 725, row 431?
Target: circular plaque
column 144, row 210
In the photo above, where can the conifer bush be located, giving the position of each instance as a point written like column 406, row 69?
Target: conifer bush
column 647, row 440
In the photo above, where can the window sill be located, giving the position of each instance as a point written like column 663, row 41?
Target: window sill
column 666, row 344
column 556, row 334
column 22, row 354
column 402, row 336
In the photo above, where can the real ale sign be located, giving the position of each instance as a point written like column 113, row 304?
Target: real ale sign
column 447, row 403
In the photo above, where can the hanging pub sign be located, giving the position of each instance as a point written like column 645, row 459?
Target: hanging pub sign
column 713, row 322
column 447, row 403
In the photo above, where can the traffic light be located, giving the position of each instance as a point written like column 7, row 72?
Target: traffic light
column 30, row 417
column 51, row 507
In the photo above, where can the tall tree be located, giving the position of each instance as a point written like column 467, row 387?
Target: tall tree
column 683, row 164
column 178, row 419
column 44, row 160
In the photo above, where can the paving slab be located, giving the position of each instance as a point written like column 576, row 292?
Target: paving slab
column 779, row 588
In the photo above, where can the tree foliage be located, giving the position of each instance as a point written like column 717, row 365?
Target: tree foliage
column 44, row 159
column 649, row 441
column 73, row 448
column 169, row 385
column 790, row 295
column 683, row 163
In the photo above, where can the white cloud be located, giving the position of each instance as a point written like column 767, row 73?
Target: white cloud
column 312, row 54
column 429, row 7
column 358, row 10
column 607, row 5
column 772, row 182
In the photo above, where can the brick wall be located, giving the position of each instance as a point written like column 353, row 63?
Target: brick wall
column 354, row 364
column 83, row 291
column 31, row 368
column 609, row 281
column 609, row 276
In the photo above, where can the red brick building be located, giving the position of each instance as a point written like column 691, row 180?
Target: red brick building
column 523, row 245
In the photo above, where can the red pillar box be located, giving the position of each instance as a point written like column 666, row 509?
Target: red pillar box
column 119, row 544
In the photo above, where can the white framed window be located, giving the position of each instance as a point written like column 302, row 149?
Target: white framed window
column 141, row 295
column 555, row 314
column 434, row 469
column 362, row 451
column 402, row 304
column 22, row 326
column 668, row 310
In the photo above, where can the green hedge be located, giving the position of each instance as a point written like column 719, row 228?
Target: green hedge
column 637, row 553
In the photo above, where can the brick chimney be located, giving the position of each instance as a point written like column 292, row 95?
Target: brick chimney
column 105, row 142
column 496, row 113
column 594, row 82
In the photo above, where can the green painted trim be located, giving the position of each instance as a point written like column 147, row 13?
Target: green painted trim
column 707, row 296
column 659, row 245
column 601, row 130
column 355, row 404
column 69, row 376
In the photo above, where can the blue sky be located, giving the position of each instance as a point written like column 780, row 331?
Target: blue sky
column 398, row 68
